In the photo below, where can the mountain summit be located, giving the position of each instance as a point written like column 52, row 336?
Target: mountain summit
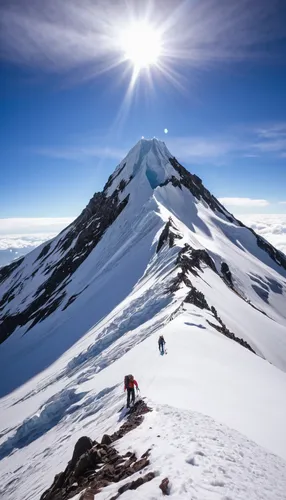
column 153, row 253
column 149, row 158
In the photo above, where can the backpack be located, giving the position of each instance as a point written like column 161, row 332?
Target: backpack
column 127, row 380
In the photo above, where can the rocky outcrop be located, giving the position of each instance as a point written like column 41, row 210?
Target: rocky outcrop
column 173, row 180
column 190, row 260
column 197, row 298
column 112, row 177
column 169, row 233
column 95, row 465
column 6, row 271
column 44, row 251
column 226, row 332
column 133, row 485
column 225, row 271
column 194, row 184
column 276, row 255
column 165, row 486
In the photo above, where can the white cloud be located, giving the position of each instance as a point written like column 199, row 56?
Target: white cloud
column 271, row 226
column 198, row 148
column 19, row 236
column 243, row 202
column 20, row 241
column 271, row 139
column 32, row 225
column 282, row 202
column 79, row 153
column 267, row 141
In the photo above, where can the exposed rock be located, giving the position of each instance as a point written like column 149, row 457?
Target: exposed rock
column 147, row 453
column 140, row 464
column 225, row 271
column 165, row 486
column 225, row 331
column 95, row 465
column 190, row 260
column 87, row 462
column 173, row 180
column 106, row 439
column 135, row 418
column 82, row 445
column 197, row 298
column 135, row 484
column 180, row 279
column 71, row 300
column 276, row 255
column 111, row 178
column 87, row 495
column 194, row 184
column 44, row 251
column 6, row 271
column 169, row 233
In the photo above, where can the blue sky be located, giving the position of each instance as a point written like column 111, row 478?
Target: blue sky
column 66, row 121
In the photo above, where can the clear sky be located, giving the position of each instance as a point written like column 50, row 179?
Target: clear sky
column 71, row 108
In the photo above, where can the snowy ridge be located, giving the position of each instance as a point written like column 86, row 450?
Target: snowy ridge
column 154, row 252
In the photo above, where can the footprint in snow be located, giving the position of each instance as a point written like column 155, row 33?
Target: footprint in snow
column 200, row 453
column 217, row 482
column 192, row 461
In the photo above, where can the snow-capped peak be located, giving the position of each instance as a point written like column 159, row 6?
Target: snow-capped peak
column 149, row 159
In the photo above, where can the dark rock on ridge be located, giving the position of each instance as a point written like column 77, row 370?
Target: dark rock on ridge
column 169, row 233
column 95, row 465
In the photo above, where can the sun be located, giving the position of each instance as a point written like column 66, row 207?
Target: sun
column 141, row 44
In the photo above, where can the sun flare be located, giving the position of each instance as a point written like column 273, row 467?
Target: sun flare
column 142, row 45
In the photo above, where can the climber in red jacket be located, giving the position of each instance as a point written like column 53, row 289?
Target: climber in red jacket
column 129, row 384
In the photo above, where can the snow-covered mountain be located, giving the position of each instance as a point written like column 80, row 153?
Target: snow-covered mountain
column 153, row 252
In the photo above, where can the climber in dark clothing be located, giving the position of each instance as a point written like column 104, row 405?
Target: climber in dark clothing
column 161, row 344
column 129, row 385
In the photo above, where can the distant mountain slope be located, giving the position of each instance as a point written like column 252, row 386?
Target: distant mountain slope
column 51, row 297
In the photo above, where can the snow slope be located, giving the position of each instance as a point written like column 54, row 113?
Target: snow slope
column 155, row 252
column 203, row 388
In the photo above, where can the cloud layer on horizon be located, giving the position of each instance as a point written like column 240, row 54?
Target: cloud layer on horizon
column 19, row 226
column 271, row 226
column 243, row 202
column 18, row 236
column 264, row 141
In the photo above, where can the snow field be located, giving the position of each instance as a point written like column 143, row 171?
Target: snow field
column 204, row 460
column 234, row 388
